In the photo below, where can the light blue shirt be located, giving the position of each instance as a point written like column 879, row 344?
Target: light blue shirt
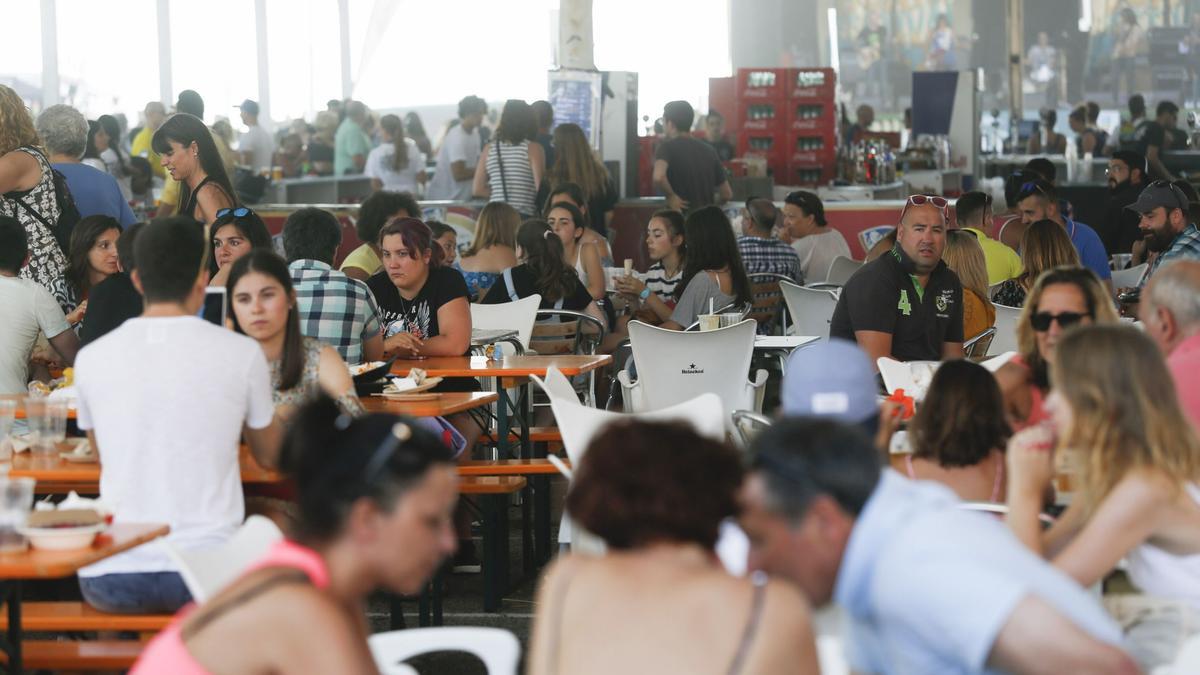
column 96, row 193
column 927, row 586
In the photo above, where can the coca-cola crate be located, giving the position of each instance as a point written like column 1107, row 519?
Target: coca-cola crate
column 762, row 83
column 769, row 144
column 811, row 83
column 762, row 115
column 811, row 115
column 811, row 147
column 806, row 175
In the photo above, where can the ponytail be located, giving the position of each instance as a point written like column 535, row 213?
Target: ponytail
column 543, row 253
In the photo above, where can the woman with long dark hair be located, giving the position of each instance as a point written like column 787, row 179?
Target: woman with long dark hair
column 542, row 271
column 263, row 306
column 511, row 167
column 92, row 258
column 114, row 157
column 190, row 156
column 235, row 233
column 568, row 223
column 713, row 271
column 397, row 165
column 374, row 497
column 97, row 142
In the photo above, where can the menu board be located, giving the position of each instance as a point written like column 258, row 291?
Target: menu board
column 575, row 96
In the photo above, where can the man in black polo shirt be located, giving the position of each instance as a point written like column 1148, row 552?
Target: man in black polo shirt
column 686, row 169
column 906, row 304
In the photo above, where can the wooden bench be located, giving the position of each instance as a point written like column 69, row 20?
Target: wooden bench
column 79, row 655
column 536, row 435
column 508, row 467
column 55, row 617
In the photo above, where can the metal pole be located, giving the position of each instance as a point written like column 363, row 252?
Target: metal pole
column 344, row 34
column 264, row 78
column 166, row 91
column 49, row 53
column 1016, row 51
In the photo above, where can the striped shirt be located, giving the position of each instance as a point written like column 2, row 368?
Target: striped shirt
column 334, row 308
column 1186, row 246
column 514, row 185
column 661, row 285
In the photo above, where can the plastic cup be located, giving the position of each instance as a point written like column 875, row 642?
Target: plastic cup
column 709, row 321
column 629, row 267
column 47, row 421
column 8, row 411
column 730, row 319
column 16, row 501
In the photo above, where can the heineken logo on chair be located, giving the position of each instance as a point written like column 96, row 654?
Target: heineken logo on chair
column 692, row 370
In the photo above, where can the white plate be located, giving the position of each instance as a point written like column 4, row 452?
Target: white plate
column 61, row 538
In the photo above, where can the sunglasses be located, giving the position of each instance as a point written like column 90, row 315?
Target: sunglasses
column 920, row 200
column 1179, row 196
column 400, row 432
column 1041, row 320
column 239, row 212
column 1031, row 187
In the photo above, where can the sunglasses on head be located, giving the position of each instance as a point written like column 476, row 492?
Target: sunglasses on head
column 1041, row 320
column 1179, row 196
column 920, row 200
column 239, row 212
column 1031, row 187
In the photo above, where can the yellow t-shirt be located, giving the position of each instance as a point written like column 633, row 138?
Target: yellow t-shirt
column 364, row 259
column 170, row 194
column 1003, row 263
column 140, row 147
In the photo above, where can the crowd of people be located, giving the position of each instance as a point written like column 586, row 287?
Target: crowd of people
column 927, row 586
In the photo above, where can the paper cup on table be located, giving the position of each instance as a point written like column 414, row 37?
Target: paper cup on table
column 629, row 267
column 709, row 321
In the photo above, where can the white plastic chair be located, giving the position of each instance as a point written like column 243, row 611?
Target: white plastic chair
column 1128, row 278
column 811, row 309
column 206, row 571
column 841, row 269
column 1005, row 339
column 518, row 316
column 673, row 366
column 497, row 648
column 1187, row 661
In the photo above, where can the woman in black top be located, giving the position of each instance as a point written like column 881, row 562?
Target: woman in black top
column 190, row 155
column 542, row 271
column 424, row 306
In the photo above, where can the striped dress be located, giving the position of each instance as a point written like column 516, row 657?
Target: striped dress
column 514, row 185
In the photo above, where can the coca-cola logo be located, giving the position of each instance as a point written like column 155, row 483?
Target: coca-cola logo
column 810, row 78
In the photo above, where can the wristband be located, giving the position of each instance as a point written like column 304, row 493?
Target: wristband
column 645, row 293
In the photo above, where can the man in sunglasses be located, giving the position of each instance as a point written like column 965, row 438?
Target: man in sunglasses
column 1038, row 200
column 1164, row 225
column 926, row 586
column 906, row 304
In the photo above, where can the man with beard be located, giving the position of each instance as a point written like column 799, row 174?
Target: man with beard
column 906, row 304
column 1126, row 178
column 1038, row 200
column 1164, row 225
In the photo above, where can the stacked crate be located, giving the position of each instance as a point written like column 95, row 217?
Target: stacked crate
column 789, row 117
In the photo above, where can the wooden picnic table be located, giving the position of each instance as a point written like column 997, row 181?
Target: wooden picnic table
column 39, row 564
column 425, row 405
column 510, row 366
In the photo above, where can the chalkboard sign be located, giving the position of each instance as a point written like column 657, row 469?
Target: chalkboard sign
column 575, row 96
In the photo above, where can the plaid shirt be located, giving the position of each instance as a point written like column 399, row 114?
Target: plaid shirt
column 334, row 308
column 1186, row 246
column 761, row 255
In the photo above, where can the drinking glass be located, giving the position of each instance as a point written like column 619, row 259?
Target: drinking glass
column 56, row 425
column 16, row 501
column 8, row 411
column 35, row 418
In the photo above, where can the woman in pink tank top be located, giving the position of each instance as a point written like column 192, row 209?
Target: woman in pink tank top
column 959, row 433
column 376, row 498
column 1060, row 298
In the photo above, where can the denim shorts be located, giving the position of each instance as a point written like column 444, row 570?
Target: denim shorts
column 136, row 593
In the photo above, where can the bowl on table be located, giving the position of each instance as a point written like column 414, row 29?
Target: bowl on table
column 62, row 530
column 370, row 377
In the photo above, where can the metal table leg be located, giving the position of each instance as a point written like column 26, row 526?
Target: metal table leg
column 495, row 550
column 10, row 592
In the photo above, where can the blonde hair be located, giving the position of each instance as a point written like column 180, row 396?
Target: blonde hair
column 497, row 225
column 576, row 162
column 964, row 256
column 1044, row 245
column 1099, row 306
column 1125, row 412
column 16, row 123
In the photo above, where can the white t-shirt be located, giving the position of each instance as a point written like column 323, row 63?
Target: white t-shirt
column 379, row 165
column 458, row 146
column 167, row 398
column 817, row 252
column 28, row 308
column 259, row 142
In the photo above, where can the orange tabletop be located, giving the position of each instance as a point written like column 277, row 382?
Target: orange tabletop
column 19, row 398
column 508, row 467
column 490, row 485
column 509, row 366
column 56, row 475
column 446, row 403
column 38, row 564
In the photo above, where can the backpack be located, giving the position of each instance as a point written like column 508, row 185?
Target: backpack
column 68, row 212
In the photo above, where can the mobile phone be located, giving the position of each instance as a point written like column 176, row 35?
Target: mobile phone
column 215, row 307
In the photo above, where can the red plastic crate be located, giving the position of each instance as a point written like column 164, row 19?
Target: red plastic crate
column 762, row 83
column 811, row 115
column 756, row 143
column 811, row 83
column 811, row 147
column 806, row 175
column 762, row 115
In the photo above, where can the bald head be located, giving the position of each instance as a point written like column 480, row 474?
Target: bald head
column 1170, row 308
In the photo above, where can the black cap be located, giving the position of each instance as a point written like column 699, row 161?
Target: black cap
column 1160, row 193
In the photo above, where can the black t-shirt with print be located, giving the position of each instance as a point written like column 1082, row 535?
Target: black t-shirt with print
column 419, row 315
column 883, row 296
column 525, row 284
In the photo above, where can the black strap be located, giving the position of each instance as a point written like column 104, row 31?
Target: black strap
column 500, row 163
column 293, row 576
